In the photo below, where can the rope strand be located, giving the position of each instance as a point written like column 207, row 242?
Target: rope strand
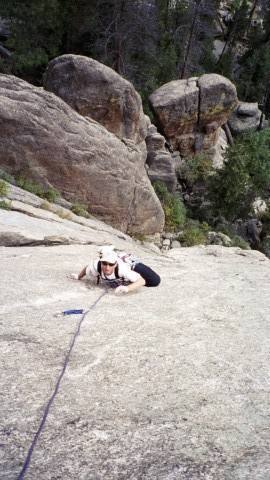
column 55, row 392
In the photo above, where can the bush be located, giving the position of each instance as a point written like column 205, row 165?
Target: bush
column 174, row 209
column 3, row 189
column 161, row 190
column 80, row 210
column 238, row 241
column 8, row 178
column 193, row 235
column 30, row 186
column 244, row 176
column 5, row 205
column 49, row 194
column 195, row 169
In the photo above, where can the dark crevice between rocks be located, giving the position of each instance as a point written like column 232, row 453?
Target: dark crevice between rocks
column 17, row 240
column 199, row 103
column 76, row 221
column 129, row 215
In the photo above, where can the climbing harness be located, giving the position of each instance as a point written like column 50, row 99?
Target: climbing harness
column 108, row 281
column 57, row 385
column 127, row 258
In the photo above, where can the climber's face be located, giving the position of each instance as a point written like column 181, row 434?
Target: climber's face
column 107, row 268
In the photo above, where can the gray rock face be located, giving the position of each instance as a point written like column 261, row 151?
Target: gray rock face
column 259, row 207
column 244, row 118
column 168, row 383
column 219, row 149
column 45, row 140
column 159, row 159
column 25, row 224
column 191, row 111
column 175, row 106
column 95, row 90
column 217, row 99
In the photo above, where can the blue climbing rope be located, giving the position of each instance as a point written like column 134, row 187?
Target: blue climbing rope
column 49, row 403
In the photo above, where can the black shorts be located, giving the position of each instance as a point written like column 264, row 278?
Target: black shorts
column 152, row 279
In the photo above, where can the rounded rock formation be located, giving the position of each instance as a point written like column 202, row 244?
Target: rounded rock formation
column 45, row 140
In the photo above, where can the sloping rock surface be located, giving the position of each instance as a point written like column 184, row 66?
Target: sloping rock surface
column 166, row 383
column 95, row 90
column 31, row 221
column 45, row 140
column 190, row 112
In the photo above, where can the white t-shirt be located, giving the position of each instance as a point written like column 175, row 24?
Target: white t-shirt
column 125, row 274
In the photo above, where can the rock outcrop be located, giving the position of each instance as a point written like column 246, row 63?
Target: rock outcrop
column 159, row 159
column 246, row 117
column 190, row 112
column 44, row 139
column 219, row 149
column 95, row 90
column 29, row 220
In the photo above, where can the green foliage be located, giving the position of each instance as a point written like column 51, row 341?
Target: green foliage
column 174, row 209
column 3, row 189
column 7, row 177
column 225, row 66
column 250, row 69
column 195, row 169
column 207, row 59
column 194, row 233
column 36, row 35
column 245, row 176
column 161, row 190
column 265, row 218
column 266, row 246
column 239, row 242
column 253, row 82
column 49, row 194
column 80, row 210
column 5, row 205
column 30, row 186
column 143, row 41
column 193, row 236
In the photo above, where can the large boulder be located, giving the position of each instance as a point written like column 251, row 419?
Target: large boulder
column 190, row 112
column 95, row 90
column 246, row 117
column 45, row 140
